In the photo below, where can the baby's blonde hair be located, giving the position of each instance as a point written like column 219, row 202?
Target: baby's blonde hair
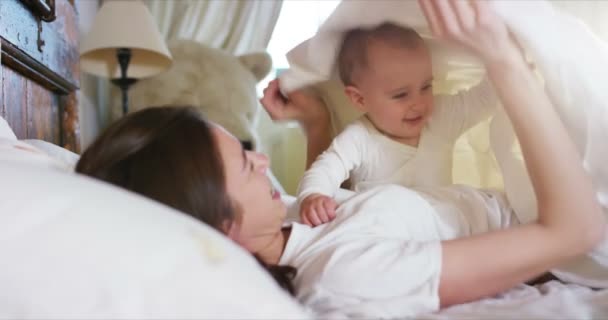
column 353, row 53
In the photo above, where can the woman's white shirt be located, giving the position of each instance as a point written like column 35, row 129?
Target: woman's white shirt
column 381, row 256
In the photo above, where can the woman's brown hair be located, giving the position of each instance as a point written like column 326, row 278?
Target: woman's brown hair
column 169, row 154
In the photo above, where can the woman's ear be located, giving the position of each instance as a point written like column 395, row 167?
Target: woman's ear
column 355, row 97
column 231, row 229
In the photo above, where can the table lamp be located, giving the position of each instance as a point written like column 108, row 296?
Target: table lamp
column 124, row 44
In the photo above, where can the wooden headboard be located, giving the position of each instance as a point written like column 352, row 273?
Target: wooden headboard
column 39, row 70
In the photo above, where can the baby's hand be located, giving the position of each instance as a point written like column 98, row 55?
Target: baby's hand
column 317, row 209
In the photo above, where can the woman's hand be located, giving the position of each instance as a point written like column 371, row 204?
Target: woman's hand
column 474, row 25
column 305, row 108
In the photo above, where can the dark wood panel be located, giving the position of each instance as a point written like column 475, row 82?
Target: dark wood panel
column 59, row 52
column 43, row 113
column 67, row 30
column 36, row 113
column 38, row 94
column 30, row 68
column 70, row 124
column 2, row 110
column 14, row 87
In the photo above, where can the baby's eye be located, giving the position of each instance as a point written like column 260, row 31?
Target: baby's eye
column 400, row 95
column 427, row 87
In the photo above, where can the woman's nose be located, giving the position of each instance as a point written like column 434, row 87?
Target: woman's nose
column 260, row 161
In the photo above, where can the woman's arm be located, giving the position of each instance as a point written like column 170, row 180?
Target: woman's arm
column 455, row 114
column 570, row 220
column 318, row 138
column 306, row 109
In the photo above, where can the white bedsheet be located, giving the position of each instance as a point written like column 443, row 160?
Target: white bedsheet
column 552, row 300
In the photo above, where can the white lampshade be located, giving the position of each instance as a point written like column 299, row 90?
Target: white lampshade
column 124, row 24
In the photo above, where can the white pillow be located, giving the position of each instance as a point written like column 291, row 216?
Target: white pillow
column 73, row 247
column 64, row 156
column 15, row 151
column 6, row 131
column 56, row 152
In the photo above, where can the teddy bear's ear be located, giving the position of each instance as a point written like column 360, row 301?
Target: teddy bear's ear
column 258, row 63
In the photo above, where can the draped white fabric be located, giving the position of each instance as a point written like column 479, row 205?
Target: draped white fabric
column 233, row 25
column 474, row 161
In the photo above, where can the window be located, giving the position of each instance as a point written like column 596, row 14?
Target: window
column 298, row 21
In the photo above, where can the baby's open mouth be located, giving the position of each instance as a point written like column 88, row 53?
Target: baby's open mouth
column 413, row 120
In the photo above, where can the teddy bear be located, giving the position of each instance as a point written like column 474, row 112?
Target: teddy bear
column 221, row 85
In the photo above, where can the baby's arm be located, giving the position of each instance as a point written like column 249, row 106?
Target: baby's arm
column 331, row 168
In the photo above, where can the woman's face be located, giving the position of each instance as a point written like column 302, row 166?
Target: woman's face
column 262, row 211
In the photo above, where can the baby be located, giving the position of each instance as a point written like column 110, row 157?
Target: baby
column 406, row 135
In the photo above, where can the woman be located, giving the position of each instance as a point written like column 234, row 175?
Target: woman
column 373, row 260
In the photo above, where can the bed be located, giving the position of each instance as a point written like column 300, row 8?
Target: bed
column 39, row 102
column 551, row 300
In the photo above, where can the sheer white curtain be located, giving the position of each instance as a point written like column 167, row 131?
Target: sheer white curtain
column 237, row 26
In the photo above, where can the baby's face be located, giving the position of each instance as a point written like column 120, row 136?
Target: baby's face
column 396, row 89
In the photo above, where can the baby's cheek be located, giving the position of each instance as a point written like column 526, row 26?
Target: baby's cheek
column 429, row 109
column 430, row 103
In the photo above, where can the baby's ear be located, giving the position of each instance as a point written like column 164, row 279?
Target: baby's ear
column 354, row 95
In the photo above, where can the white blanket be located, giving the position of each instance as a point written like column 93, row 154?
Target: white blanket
column 552, row 300
column 572, row 61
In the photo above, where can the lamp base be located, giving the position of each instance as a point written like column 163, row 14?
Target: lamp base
column 124, row 84
column 127, row 82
